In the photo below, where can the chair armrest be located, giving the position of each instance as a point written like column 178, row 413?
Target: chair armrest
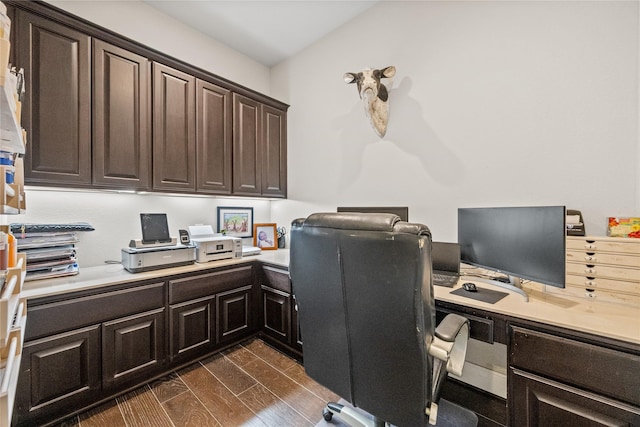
column 448, row 329
column 450, row 342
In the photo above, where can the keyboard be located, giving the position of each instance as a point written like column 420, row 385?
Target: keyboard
column 445, row 279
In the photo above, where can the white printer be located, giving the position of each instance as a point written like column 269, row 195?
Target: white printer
column 210, row 247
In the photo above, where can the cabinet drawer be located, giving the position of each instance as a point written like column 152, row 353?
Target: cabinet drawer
column 50, row 318
column 618, row 245
column 589, row 270
column 181, row 290
column 276, row 279
column 600, row 283
column 598, row 258
column 587, row 366
column 479, row 328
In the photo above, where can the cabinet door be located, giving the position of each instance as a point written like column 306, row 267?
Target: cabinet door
column 247, row 163
column 234, row 314
column 121, row 119
column 193, row 327
column 132, row 347
column 174, row 146
column 57, row 108
column 276, row 314
column 213, row 135
column 274, row 152
column 536, row 401
column 58, row 374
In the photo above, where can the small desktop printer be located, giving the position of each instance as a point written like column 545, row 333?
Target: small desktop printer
column 210, row 247
column 135, row 260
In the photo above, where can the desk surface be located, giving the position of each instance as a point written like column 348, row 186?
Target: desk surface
column 611, row 320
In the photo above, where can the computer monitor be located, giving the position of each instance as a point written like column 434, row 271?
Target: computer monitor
column 155, row 228
column 522, row 242
column 401, row 211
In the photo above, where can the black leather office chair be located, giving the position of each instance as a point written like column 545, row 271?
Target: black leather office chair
column 367, row 316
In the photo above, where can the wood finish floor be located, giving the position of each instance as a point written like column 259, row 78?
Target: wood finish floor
column 248, row 385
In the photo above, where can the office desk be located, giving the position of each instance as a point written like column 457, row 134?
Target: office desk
column 566, row 358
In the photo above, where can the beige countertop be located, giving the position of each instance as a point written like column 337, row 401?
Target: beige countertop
column 618, row 321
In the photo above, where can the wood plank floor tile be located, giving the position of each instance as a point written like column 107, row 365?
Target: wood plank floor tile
column 228, row 373
column 291, row 392
column 268, row 353
column 168, row 387
column 69, row 422
column 297, row 373
column 218, row 399
column 271, row 410
column 106, row 415
column 185, row 410
column 240, row 356
column 141, row 408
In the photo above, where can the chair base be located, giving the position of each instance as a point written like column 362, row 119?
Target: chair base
column 350, row 416
column 449, row 415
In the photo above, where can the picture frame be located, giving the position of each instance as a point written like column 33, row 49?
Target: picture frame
column 235, row 221
column 265, row 236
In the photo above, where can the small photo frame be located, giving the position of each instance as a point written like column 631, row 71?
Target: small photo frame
column 265, row 237
column 236, row 222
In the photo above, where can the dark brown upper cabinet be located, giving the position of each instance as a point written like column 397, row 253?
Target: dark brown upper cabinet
column 57, row 109
column 121, row 119
column 247, row 175
column 274, row 152
column 174, row 129
column 213, row 135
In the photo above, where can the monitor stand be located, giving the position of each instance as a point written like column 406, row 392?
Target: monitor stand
column 514, row 284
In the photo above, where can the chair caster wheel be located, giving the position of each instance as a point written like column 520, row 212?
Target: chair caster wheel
column 327, row 414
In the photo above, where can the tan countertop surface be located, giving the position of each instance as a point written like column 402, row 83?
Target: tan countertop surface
column 618, row 321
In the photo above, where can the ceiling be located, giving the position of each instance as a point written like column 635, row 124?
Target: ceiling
column 264, row 30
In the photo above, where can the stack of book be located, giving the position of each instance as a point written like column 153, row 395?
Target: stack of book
column 50, row 248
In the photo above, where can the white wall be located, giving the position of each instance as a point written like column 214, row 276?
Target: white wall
column 494, row 103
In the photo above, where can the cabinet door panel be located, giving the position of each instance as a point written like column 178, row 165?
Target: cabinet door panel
column 58, row 373
column 132, row 346
column 214, row 114
column 192, row 327
column 539, row 402
column 274, row 152
column 174, row 147
column 276, row 314
column 121, row 120
column 234, row 314
column 247, row 173
column 57, row 110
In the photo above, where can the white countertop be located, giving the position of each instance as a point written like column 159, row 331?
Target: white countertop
column 618, row 321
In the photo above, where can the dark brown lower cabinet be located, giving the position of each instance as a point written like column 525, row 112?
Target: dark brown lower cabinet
column 541, row 402
column 557, row 378
column 132, row 348
column 234, row 314
column 276, row 307
column 58, row 373
column 192, row 326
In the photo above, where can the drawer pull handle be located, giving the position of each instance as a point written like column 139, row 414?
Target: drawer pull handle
column 590, row 283
column 590, row 270
column 590, row 294
column 590, row 258
column 590, row 246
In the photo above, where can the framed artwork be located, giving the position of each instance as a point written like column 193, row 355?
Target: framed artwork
column 236, row 222
column 265, row 237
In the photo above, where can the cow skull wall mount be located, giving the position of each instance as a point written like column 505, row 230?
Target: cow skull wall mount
column 374, row 95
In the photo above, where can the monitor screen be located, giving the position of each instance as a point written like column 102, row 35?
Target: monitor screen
column 526, row 242
column 401, row 211
column 155, row 228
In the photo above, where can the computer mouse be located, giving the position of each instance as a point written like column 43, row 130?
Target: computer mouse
column 469, row 287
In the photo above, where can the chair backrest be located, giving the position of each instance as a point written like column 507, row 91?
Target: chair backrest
column 366, row 309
